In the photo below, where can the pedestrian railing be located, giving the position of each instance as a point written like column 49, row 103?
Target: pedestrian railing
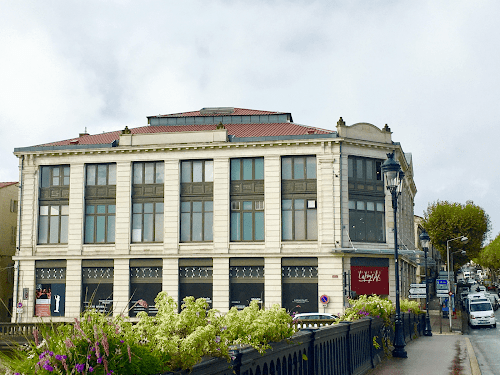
column 346, row 348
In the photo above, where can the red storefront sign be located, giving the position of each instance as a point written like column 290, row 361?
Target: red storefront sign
column 370, row 280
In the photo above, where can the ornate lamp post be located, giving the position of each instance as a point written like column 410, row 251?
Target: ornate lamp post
column 464, row 241
column 424, row 241
column 393, row 180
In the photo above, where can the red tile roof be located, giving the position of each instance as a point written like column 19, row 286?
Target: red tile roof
column 5, row 184
column 237, row 112
column 236, row 130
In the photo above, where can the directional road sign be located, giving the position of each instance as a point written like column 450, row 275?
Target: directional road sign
column 417, row 296
column 417, row 291
column 442, row 295
column 417, row 285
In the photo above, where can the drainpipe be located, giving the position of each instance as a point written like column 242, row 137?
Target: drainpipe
column 19, row 235
column 341, row 216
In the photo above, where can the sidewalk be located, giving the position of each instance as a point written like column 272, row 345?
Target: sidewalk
column 444, row 352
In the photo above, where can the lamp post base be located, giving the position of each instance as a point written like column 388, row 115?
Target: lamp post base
column 399, row 340
column 427, row 329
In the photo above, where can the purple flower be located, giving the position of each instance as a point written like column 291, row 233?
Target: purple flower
column 91, row 369
column 99, row 360
column 122, row 341
column 80, row 367
column 48, row 367
column 217, row 339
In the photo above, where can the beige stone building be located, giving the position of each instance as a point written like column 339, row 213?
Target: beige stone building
column 227, row 204
column 8, row 212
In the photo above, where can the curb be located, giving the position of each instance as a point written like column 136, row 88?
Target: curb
column 474, row 365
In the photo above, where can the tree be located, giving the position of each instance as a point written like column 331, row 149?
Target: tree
column 489, row 257
column 447, row 220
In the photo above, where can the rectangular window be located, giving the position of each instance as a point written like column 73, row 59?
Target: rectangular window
column 54, row 175
column 148, row 173
column 100, row 203
column 100, row 223
column 247, row 221
column 298, row 221
column 196, row 221
column 247, row 169
column 247, row 199
column 147, row 202
column 101, row 174
column 197, row 171
column 53, row 224
column 53, row 208
column 298, row 167
column 196, row 216
column 366, row 220
column 147, row 222
column 299, row 202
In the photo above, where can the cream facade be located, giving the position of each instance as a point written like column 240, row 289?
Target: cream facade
column 8, row 211
column 119, row 258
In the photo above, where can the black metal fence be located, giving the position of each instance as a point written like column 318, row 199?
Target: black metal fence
column 341, row 349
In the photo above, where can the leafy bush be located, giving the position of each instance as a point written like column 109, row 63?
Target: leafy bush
column 407, row 305
column 368, row 306
column 98, row 344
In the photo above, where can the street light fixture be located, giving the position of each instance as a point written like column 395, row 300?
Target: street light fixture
column 424, row 242
column 393, row 179
column 464, row 240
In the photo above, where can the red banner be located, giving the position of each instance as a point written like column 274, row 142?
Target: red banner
column 370, row 280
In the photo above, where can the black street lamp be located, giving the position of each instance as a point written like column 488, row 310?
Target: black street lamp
column 393, row 179
column 424, row 241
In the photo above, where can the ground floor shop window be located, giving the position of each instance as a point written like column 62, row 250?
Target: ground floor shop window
column 196, row 279
column 97, row 285
column 370, row 276
column 299, row 277
column 145, row 284
column 246, row 282
column 50, row 295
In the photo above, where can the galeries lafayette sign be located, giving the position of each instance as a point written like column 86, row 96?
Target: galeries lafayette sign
column 370, row 280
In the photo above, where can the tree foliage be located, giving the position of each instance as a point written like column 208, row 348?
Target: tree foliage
column 489, row 257
column 445, row 220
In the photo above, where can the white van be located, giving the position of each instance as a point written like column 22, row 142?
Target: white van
column 481, row 312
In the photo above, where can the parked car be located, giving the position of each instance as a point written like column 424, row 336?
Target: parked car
column 494, row 301
column 316, row 315
column 304, row 317
column 481, row 314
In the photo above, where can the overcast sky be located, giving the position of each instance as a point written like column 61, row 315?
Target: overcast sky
column 429, row 69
